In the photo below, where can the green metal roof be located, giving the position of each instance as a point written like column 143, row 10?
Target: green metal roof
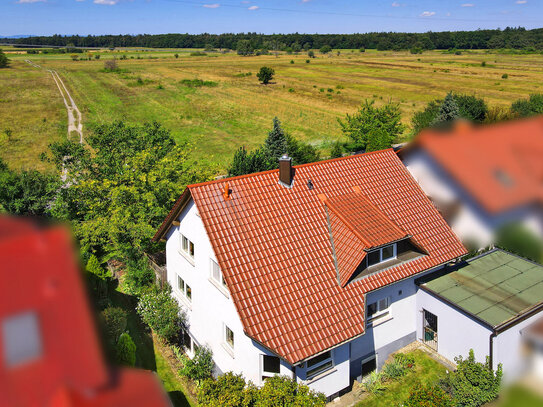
column 494, row 287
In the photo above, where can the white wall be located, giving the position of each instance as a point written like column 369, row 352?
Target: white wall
column 472, row 222
column 457, row 333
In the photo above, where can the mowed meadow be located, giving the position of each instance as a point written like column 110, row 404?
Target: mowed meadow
column 231, row 109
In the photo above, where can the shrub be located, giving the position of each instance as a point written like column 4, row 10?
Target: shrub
column 291, row 61
column 265, row 75
column 428, row 396
column 94, row 267
column 200, row 367
column 362, row 49
column 311, row 54
column 229, row 390
column 329, row 90
column 515, row 238
column 373, row 383
column 161, row 312
column 307, row 61
column 291, row 90
column 197, row 83
column 138, row 275
column 4, row 61
column 392, row 370
column 325, row 49
column 198, row 54
column 283, row 391
column 473, row 383
column 530, row 107
column 337, row 150
column 126, row 350
column 405, row 360
column 114, row 321
column 176, row 56
column 483, row 64
column 110, row 65
column 505, row 76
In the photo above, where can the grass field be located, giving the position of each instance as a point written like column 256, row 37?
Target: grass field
column 307, row 97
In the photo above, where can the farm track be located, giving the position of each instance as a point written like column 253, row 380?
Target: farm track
column 74, row 114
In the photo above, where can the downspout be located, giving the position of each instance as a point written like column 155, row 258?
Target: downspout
column 491, row 348
column 293, row 368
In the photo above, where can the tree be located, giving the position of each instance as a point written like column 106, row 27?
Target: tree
column 4, row 61
column 473, row 383
column 337, row 150
column 265, row 75
column 245, row 162
column 516, row 238
column 310, row 54
column 200, row 367
column 110, row 65
column 117, row 197
column 325, row 49
column 114, row 321
column 27, row 192
column 244, row 47
column 97, row 56
column 276, row 142
column 369, row 118
column 126, row 350
column 176, row 55
column 378, row 139
column 448, row 112
column 530, row 107
column 158, row 309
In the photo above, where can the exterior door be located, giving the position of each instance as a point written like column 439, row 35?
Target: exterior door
column 429, row 329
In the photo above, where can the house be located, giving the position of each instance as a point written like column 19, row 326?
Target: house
column 50, row 354
column 305, row 271
column 482, row 177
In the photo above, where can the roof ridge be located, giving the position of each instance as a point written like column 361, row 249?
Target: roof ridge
column 315, row 163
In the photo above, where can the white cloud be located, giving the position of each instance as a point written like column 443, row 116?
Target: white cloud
column 31, row 1
column 396, row 4
column 306, row 1
column 215, row 5
column 253, row 8
column 428, row 14
column 106, row 2
column 468, row 5
column 521, row 1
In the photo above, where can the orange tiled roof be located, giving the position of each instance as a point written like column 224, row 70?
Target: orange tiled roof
column 274, row 248
column 499, row 165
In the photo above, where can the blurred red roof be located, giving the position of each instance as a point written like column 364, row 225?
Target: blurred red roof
column 273, row 245
column 41, row 278
column 499, row 165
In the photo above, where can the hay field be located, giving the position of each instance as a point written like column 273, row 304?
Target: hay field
column 307, row 97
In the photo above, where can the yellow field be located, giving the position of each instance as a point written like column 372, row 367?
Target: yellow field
column 307, row 97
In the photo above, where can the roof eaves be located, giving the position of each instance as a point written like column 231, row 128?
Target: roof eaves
column 172, row 215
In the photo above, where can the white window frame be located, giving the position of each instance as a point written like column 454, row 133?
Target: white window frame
column 316, row 368
column 383, row 308
column 185, row 251
column 225, row 338
column 220, row 281
column 380, row 250
column 263, row 373
column 185, row 290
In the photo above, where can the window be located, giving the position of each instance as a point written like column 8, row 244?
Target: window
column 187, row 247
column 21, row 338
column 378, row 308
column 319, row 364
column 184, row 288
column 188, row 343
column 382, row 254
column 216, row 273
column 270, row 366
column 229, row 337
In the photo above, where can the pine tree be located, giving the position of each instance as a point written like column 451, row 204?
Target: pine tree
column 3, row 59
column 448, row 111
column 276, row 143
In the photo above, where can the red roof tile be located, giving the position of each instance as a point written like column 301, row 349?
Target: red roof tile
column 274, row 248
column 499, row 165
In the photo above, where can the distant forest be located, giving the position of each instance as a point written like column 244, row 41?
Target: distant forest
column 517, row 38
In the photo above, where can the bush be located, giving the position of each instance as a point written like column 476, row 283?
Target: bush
column 265, row 75
column 126, row 350
column 473, row 383
column 114, row 321
column 228, row 390
column 530, row 107
column 197, row 83
column 337, row 150
column 110, row 65
column 283, row 391
column 291, row 61
column 176, row 56
column 373, row 383
column 94, row 267
column 307, row 61
column 200, row 367
column 515, row 238
column 393, row 370
column 3, row 59
column 138, row 275
column 405, row 360
column 428, row 396
column 505, row 76
column 161, row 312
column 325, row 49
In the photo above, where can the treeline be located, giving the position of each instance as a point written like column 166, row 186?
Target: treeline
column 516, row 38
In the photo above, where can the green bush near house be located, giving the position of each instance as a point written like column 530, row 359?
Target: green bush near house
column 114, row 320
column 200, row 367
column 126, row 350
column 429, row 396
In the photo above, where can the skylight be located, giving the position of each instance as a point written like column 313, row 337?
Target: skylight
column 21, row 338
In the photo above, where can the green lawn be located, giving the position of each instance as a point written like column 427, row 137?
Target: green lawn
column 426, row 370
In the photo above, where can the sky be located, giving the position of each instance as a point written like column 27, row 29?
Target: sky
column 84, row 17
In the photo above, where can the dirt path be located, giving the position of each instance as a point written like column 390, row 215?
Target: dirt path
column 74, row 114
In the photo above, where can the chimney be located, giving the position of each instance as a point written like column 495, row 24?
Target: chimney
column 285, row 171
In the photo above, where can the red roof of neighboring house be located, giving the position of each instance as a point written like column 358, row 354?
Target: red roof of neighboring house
column 41, row 283
column 273, row 245
column 499, row 165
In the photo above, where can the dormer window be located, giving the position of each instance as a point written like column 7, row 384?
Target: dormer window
column 382, row 254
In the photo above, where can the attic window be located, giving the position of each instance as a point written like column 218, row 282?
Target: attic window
column 21, row 338
column 382, row 254
column 503, row 178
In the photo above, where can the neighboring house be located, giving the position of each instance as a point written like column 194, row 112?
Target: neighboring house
column 482, row 177
column 50, row 354
column 308, row 271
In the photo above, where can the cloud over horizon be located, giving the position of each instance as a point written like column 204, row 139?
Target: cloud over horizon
column 427, row 14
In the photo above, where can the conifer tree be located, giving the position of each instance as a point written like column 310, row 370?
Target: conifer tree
column 276, row 143
column 448, row 111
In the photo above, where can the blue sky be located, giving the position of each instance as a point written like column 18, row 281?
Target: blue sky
column 46, row 17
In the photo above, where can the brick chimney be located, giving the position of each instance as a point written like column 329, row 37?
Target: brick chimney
column 285, row 171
